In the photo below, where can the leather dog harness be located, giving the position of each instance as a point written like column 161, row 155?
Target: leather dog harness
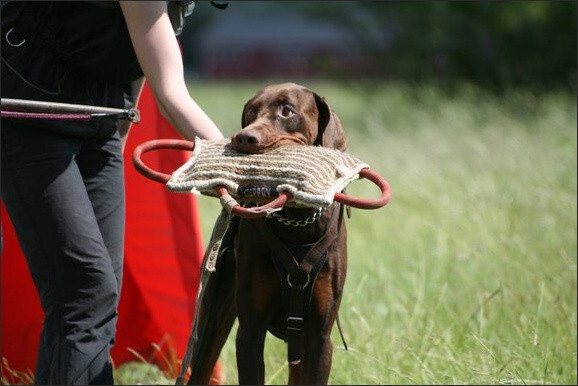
column 298, row 274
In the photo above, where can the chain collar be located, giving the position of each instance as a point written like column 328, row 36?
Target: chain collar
column 300, row 222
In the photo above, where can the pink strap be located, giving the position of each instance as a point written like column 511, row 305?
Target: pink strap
column 18, row 114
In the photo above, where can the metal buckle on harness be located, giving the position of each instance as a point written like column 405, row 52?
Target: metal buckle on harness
column 294, row 323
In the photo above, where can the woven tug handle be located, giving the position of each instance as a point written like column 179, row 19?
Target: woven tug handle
column 260, row 211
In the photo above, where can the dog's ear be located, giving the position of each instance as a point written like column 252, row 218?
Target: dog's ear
column 329, row 133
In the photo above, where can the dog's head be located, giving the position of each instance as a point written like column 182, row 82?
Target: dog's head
column 287, row 113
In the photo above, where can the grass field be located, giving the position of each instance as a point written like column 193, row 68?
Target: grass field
column 468, row 275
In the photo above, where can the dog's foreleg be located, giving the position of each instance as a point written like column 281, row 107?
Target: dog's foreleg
column 250, row 343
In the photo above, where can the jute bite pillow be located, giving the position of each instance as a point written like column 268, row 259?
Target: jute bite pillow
column 312, row 174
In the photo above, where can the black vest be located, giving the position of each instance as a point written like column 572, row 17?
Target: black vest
column 84, row 41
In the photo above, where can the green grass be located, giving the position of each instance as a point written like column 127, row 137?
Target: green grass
column 468, row 275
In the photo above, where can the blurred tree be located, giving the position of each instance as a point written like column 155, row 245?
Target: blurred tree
column 494, row 44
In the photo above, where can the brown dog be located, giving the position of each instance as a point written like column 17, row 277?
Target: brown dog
column 283, row 274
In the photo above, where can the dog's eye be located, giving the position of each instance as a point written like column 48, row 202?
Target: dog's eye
column 287, row 111
column 249, row 116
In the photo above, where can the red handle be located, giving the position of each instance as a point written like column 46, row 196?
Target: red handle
column 362, row 203
column 145, row 147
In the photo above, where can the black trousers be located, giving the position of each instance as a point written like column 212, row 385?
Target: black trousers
column 63, row 187
column 65, row 198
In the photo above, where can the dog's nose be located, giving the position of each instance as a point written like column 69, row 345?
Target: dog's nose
column 246, row 141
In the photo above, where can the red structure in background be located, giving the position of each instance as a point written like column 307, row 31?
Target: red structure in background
column 163, row 253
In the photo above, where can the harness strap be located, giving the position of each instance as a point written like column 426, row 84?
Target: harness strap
column 299, row 298
column 295, row 322
column 299, row 275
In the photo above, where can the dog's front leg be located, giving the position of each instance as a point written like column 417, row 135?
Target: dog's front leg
column 250, row 343
column 316, row 364
column 316, row 351
column 250, row 340
column 257, row 287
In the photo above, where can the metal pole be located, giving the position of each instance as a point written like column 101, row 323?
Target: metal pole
column 22, row 105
